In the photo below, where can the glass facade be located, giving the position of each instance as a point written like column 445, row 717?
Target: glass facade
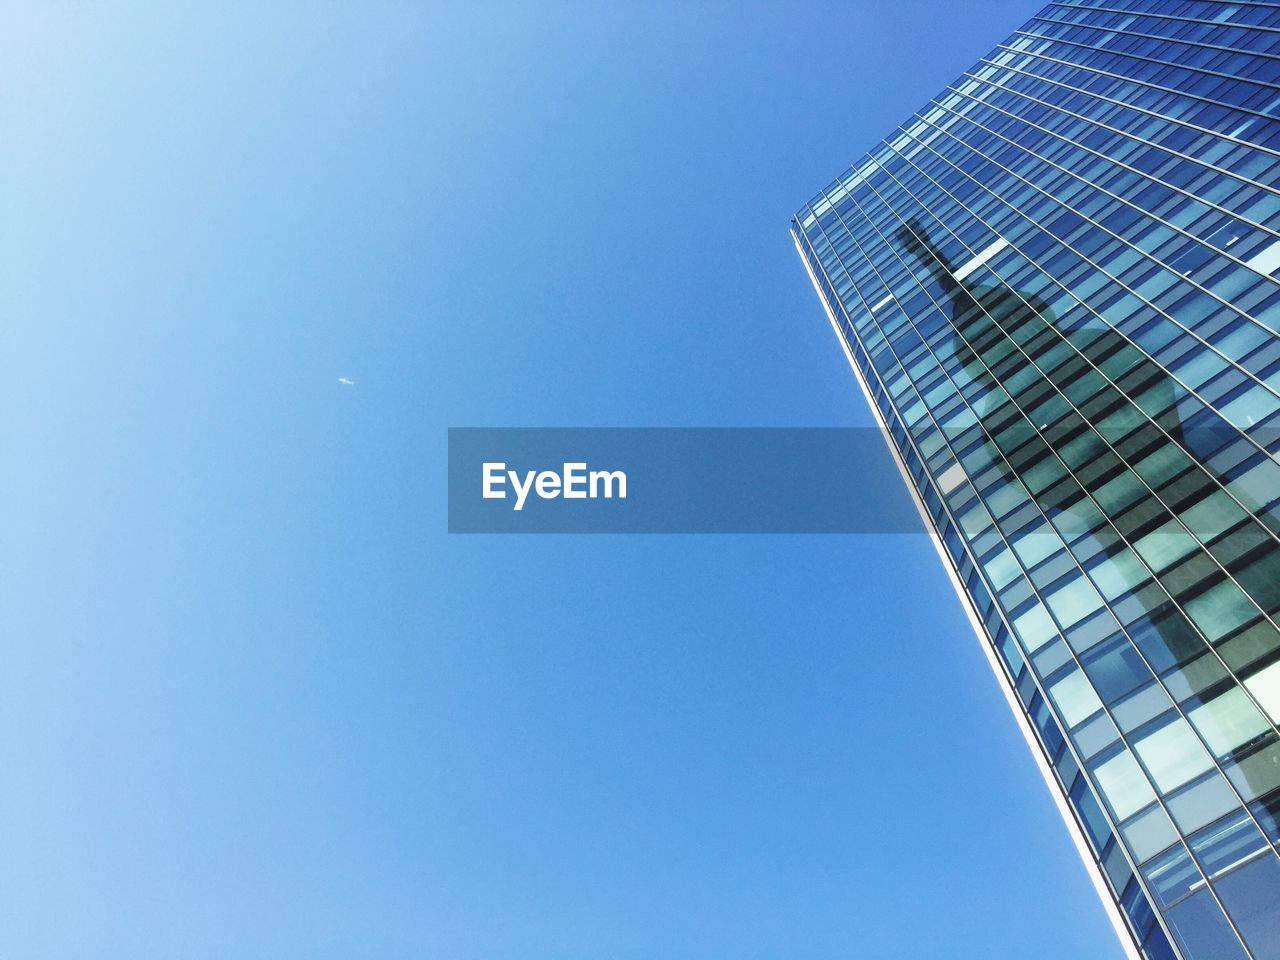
column 1057, row 284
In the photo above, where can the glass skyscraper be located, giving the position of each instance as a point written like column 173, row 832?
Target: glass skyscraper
column 1057, row 286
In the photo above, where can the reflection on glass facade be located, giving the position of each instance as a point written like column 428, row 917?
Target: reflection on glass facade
column 1057, row 284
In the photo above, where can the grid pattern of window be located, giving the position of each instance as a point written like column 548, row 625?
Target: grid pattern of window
column 1058, row 284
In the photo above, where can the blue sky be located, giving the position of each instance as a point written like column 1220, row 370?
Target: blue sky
column 256, row 701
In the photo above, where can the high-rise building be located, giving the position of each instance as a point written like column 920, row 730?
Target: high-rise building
column 1057, row 286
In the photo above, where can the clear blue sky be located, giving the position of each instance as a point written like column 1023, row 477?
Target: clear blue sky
column 256, row 702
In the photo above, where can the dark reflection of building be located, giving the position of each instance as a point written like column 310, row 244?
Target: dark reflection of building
column 992, row 327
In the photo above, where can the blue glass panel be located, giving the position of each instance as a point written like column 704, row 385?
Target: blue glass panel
column 1202, row 931
column 1251, row 895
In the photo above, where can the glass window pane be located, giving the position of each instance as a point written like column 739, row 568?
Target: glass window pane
column 1265, row 686
column 1165, row 546
column 1116, row 669
column 1001, row 569
column 1119, row 574
column 1149, row 834
column 1034, row 546
column 1203, row 802
column 1212, row 515
column 1172, row 875
column 1226, row 844
column 1138, row 708
column 1252, row 898
column 1075, row 698
column 1202, row 930
column 1227, row 721
column 1220, row 609
column 1124, row 785
column 1073, row 602
column 1035, row 628
column 1258, row 773
column 1173, row 755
